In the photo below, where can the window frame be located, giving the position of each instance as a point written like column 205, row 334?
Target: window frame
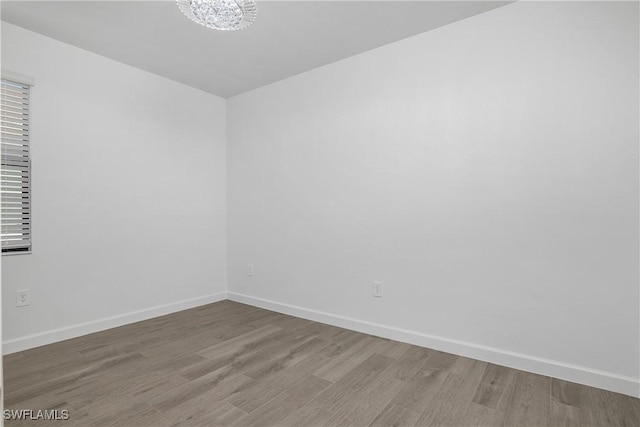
column 26, row 84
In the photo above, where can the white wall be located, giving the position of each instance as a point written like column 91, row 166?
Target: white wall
column 129, row 194
column 486, row 172
column 1, row 354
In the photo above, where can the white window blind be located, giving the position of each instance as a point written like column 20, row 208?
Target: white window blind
column 15, row 170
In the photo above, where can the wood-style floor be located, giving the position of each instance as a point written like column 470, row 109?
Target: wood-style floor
column 232, row 364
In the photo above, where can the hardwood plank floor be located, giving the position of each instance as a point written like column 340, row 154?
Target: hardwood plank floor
column 229, row 364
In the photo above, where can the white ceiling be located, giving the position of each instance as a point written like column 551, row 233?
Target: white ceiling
column 288, row 37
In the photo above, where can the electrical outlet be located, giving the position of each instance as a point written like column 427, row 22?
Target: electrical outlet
column 377, row 289
column 22, row 298
column 250, row 270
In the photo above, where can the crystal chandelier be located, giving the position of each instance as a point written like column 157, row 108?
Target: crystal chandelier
column 225, row 15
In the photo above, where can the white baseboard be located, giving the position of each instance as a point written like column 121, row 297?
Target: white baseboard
column 55, row 335
column 552, row 368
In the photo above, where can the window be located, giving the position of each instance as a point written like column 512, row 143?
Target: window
column 15, row 170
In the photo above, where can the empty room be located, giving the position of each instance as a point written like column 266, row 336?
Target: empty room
column 320, row 213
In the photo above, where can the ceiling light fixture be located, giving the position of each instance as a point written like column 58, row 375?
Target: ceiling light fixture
column 224, row 15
